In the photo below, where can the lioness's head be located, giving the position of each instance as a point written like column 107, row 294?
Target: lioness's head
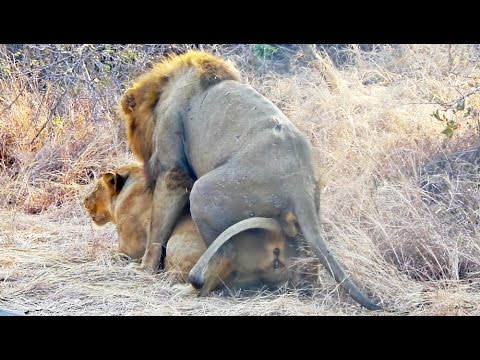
column 98, row 203
column 119, row 197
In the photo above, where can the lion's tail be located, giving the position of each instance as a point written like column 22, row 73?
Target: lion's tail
column 197, row 274
column 307, row 218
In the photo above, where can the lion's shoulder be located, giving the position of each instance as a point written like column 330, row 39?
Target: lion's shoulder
column 196, row 69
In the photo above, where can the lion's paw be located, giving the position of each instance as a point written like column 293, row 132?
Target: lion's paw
column 122, row 258
column 183, row 290
column 135, row 267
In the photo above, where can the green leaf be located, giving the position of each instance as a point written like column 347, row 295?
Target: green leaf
column 436, row 115
column 448, row 132
column 264, row 50
column 451, row 126
column 461, row 105
column 57, row 121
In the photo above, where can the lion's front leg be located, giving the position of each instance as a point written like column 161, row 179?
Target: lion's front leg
column 169, row 199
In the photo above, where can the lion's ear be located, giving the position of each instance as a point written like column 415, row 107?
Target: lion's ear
column 114, row 181
column 128, row 101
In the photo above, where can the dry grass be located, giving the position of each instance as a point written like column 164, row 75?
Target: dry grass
column 369, row 122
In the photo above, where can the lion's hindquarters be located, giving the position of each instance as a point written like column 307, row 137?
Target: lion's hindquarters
column 184, row 248
column 212, row 260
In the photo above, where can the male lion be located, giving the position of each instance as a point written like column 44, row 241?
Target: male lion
column 262, row 256
column 193, row 121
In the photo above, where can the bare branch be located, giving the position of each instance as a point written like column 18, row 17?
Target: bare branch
column 456, row 102
column 13, row 102
column 48, row 117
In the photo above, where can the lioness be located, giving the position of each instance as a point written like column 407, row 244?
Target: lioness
column 262, row 256
column 119, row 197
column 192, row 121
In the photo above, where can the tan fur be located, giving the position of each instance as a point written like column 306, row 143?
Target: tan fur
column 129, row 208
column 184, row 248
column 289, row 224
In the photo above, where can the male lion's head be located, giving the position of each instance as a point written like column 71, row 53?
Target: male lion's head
column 137, row 103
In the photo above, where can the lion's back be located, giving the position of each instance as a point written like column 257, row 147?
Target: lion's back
column 232, row 119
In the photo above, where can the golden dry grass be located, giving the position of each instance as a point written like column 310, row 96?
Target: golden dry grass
column 372, row 132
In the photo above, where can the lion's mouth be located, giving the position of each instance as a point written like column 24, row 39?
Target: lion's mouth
column 100, row 221
column 97, row 219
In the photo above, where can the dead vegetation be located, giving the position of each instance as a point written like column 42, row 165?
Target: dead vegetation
column 400, row 203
